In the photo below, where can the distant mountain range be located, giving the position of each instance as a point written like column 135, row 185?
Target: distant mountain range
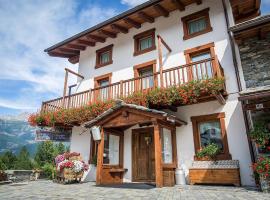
column 15, row 132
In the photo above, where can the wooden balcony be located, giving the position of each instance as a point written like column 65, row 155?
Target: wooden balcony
column 209, row 68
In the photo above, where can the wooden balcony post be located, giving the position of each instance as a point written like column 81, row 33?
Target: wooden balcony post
column 100, row 158
column 65, row 88
column 160, row 61
column 158, row 156
column 121, row 89
column 218, row 70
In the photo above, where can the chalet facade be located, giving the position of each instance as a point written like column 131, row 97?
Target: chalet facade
column 160, row 44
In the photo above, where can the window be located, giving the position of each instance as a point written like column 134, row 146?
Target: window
column 196, row 24
column 209, row 129
column 146, row 71
column 201, row 56
column 166, row 141
column 111, row 149
column 103, row 93
column 104, row 56
column 144, row 42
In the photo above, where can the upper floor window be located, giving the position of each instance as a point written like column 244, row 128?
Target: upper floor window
column 103, row 93
column 146, row 71
column 208, row 129
column 104, row 56
column 201, row 57
column 144, row 42
column 196, row 24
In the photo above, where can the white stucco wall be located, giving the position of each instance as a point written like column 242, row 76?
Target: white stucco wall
column 171, row 29
column 80, row 142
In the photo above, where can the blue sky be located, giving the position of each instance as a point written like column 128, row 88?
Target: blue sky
column 27, row 75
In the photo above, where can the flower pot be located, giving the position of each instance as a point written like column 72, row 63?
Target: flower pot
column 265, row 184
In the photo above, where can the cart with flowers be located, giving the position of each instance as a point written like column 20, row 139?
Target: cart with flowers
column 69, row 168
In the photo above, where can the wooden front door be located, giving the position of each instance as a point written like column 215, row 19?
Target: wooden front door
column 143, row 155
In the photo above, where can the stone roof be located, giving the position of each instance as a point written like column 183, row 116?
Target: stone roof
column 120, row 104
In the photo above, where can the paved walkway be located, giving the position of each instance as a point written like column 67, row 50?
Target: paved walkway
column 49, row 190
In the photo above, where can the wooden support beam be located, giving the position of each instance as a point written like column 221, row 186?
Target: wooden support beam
column 96, row 38
column 179, row 4
column 146, row 17
column 62, row 55
column 132, row 23
column 119, row 28
column 72, row 72
column 198, row 2
column 76, row 46
column 65, row 89
column 74, row 59
column 158, row 156
column 85, row 43
column 220, row 99
column 107, row 33
column 100, row 159
column 161, row 10
column 164, row 43
column 160, row 62
column 70, row 51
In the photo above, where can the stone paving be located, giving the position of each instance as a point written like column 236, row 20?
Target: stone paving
column 48, row 190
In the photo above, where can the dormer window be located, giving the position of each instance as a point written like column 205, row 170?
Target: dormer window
column 196, row 24
column 144, row 42
column 104, row 56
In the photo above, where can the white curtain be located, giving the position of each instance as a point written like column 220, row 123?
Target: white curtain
column 114, row 149
column 197, row 25
column 167, row 146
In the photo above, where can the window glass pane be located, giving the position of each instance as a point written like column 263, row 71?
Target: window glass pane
column 197, row 25
column 166, row 138
column 105, row 57
column 111, row 149
column 210, row 132
column 104, row 92
column 145, row 43
column 202, row 70
column 148, row 81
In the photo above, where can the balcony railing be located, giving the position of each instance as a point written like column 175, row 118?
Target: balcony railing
column 203, row 69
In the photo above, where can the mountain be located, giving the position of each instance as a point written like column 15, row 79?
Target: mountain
column 15, row 132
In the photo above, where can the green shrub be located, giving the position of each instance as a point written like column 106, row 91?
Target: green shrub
column 49, row 170
column 210, row 151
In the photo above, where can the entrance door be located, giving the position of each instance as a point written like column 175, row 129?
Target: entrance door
column 143, row 155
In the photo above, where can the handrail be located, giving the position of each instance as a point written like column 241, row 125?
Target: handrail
column 172, row 76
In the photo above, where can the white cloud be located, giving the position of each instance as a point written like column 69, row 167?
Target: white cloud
column 132, row 3
column 26, row 29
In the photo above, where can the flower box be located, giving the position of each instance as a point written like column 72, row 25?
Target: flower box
column 223, row 172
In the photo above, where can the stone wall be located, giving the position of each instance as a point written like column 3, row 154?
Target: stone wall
column 255, row 59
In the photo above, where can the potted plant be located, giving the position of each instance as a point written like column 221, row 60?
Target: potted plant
column 262, row 169
column 260, row 134
column 209, row 152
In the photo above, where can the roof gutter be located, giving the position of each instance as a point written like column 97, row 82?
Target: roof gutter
column 105, row 23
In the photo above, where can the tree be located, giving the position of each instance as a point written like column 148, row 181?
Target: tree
column 9, row 159
column 2, row 165
column 45, row 153
column 23, row 161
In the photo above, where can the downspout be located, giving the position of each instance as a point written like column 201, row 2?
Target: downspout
column 235, row 63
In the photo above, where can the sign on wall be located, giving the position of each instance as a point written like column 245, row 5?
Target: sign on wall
column 53, row 135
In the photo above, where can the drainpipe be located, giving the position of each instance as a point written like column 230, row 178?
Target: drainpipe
column 235, row 63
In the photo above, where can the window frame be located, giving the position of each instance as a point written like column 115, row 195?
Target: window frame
column 201, row 14
column 149, row 33
column 142, row 66
column 121, row 149
column 97, row 84
column 210, row 47
column 109, row 49
column 225, row 155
